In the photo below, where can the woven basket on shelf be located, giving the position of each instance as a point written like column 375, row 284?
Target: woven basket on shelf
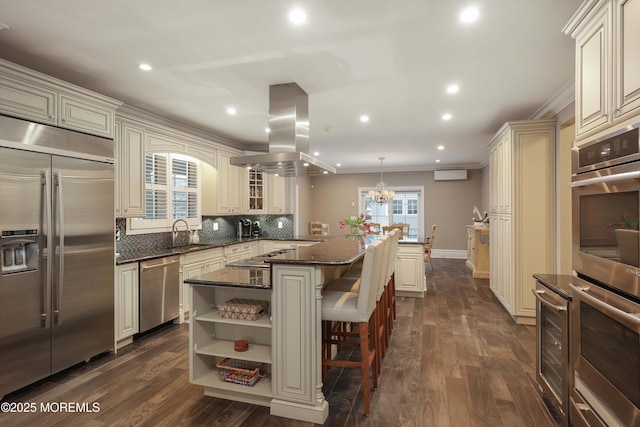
column 241, row 371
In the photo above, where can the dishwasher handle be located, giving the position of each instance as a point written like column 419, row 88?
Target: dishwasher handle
column 162, row 264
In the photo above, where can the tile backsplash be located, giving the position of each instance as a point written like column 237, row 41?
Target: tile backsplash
column 227, row 228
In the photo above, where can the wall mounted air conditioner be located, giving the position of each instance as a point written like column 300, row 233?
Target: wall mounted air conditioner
column 450, row 175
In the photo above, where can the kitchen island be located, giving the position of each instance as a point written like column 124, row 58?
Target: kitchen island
column 290, row 355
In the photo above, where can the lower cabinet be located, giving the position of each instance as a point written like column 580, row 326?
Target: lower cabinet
column 478, row 251
column 195, row 264
column 126, row 303
column 410, row 274
column 240, row 251
column 211, row 342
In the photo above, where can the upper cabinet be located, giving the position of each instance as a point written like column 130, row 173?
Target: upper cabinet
column 256, row 192
column 277, row 194
column 129, row 170
column 607, row 35
column 29, row 95
column 232, row 186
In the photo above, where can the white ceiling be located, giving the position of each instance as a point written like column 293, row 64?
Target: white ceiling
column 389, row 59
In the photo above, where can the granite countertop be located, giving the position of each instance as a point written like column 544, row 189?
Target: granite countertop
column 144, row 254
column 258, row 278
column 333, row 251
column 559, row 283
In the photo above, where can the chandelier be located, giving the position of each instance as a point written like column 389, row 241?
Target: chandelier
column 381, row 195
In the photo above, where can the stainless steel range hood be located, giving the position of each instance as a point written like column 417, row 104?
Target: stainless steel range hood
column 289, row 136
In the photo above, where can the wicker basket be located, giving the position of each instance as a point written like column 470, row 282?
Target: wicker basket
column 241, row 371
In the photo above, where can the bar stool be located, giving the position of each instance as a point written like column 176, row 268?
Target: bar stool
column 356, row 308
column 391, row 278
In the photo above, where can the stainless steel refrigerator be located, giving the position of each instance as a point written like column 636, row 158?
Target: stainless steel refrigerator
column 56, row 250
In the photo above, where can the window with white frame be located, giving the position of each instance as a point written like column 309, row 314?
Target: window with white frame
column 405, row 207
column 172, row 191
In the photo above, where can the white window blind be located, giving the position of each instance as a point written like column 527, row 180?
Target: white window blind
column 172, row 191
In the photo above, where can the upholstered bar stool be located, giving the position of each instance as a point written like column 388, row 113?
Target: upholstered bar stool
column 356, row 308
column 391, row 280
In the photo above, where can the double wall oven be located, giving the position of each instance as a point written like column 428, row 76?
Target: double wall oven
column 605, row 310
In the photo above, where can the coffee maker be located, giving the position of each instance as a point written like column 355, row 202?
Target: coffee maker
column 256, row 229
column 244, row 228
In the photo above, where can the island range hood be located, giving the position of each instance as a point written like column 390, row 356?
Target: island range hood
column 288, row 138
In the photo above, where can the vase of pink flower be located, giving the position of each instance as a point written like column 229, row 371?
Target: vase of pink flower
column 359, row 227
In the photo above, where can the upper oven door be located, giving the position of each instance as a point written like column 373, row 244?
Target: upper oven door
column 606, row 208
column 618, row 147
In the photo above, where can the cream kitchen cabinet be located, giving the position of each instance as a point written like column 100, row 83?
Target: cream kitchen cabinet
column 277, row 194
column 240, row 251
column 232, row 186
column 410, row 279
column 30, row 95
column 126, row 303
column 607, row 35
column 129, row 170
column 478, row 251
column 256, row 192
column 522, row 197
column 195, row 264
column 211, row 340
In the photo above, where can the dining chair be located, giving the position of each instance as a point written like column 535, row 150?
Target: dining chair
column 315, row 228
column 325, row 229
column 374, row 228
column 429, row 246
column 357, row 308
column 402, row 226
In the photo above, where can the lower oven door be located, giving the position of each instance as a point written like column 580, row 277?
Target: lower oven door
column 552, row 367
column 605, row 337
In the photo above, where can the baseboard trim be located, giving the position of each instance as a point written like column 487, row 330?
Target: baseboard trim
column 449, row 253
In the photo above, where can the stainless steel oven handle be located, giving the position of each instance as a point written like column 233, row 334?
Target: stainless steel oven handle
column 538, row 293
column 584, row 292
column 605, row 178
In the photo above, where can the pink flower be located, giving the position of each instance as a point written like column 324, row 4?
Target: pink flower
column 362, row 215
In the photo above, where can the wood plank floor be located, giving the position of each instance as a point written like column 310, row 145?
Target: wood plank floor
column 456, row 359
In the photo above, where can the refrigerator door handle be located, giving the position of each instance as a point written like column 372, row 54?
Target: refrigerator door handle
column 46, row 188
column 57, row 183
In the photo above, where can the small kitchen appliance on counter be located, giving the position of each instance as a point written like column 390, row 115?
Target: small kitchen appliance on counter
column 257, row 231
column 244, row 228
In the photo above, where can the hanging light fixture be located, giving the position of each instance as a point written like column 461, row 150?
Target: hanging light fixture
column 381, row 195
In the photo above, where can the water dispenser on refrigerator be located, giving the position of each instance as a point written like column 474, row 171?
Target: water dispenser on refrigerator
column 18, row 251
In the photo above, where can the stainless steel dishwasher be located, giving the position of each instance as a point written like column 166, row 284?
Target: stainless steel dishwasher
column 159, row 291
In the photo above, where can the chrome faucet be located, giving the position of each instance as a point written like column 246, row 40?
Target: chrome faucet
column 175, row 232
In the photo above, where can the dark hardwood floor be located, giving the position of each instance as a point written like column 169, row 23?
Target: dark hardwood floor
column 455, row 359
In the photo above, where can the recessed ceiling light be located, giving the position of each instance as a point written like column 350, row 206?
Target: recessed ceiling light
column 316, row 153
column 267, row 130
column 297, row 16
column 338, row 164
column 438, row 161
column 325, row 172
column 453, row 88
column 440, row 147
column 145, row 67
column 469, row 14
column 276, row 174
column 305, row 164
column 446, row 116
column 231, row 111
column 364, row 118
